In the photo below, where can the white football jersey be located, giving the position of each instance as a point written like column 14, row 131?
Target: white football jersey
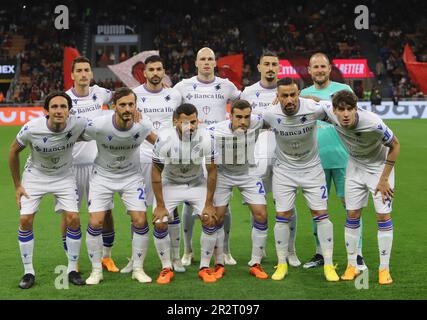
column 210, row 98
column 236, row 151
column 90, row 107
column 367, row 143
column 183, row 160
column 260, row 98
column 159, row 107
column 118, row 150
column 51, row 152
column 296, row 141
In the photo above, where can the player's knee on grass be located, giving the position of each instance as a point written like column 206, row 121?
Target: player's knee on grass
column 259, row 213
column 381, row 217
column 161, row 226
column 26, row 222
column 139, row 220
column 316, row 213
column 354, row 214
column 72, row 219
column 285, row 214
column 96, row 221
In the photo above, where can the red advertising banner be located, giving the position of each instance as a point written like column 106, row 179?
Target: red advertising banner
column 18, row 116
column 350, row 68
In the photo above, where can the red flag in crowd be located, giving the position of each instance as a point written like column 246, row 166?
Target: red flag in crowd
column 417, row 70
column 231, row 67
column 131, row 71
column 69, row 55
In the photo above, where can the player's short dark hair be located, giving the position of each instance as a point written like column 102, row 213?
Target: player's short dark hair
column 344, row 98
column 152, row 59
column 80, row 59
column 185, row 108
column 240, row 104
column 286, row 82
column 268, row 53
column 122, row 92
column 52, row 95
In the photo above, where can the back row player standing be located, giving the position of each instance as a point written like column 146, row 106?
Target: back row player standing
column 261, row 96
column 209, row 94
column 157, row 103
column 333, row 154
column 87, row 102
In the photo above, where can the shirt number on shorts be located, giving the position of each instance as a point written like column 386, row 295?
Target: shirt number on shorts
column 324, row 195
column 261, row 187
column 141, row 193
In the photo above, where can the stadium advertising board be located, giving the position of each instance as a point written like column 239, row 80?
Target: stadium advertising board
column 7, row 70
column 350, row 69
column 18, row 116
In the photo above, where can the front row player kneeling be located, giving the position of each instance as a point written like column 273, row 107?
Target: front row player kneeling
column 116, row 169
column 177, row 177
column 48, row 170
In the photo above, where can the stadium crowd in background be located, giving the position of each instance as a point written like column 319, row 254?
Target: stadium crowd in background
column 297, row 29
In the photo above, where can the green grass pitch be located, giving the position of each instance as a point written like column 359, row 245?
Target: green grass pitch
column 408, row 261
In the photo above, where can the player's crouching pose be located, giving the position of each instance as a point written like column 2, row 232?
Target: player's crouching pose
column 48, row 170
column 177, row 177
column 373, row 150
column 235, row 141
column 117, row 169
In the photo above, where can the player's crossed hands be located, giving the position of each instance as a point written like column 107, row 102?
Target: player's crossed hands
column 20, row 191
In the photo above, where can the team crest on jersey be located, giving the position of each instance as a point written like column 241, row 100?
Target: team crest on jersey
column 303, row 119
column 44, row 139
column 136, row 136
column 189, row 96
column 206, row 109
column 257, row 94
column 55, row 160
column 195, row 86
column 218, row 87
column 68, row 135
column 110, row 138
column 143, row 99
column 358, row 134
column 279, row 120
column 94, row 97
column 75, row 101
column 167, row 98
column 156, row 125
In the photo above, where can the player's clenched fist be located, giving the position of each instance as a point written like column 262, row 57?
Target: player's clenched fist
column 160, row 215
column 209, row 216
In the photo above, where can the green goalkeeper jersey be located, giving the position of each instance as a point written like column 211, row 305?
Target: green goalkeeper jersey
column 332, row 152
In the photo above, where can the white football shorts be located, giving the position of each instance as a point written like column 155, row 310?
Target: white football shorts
column 359, row 182
column 130, row 188
column 312, row 182
column 37, row 185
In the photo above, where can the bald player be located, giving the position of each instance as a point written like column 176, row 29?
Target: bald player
column 209, row 94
